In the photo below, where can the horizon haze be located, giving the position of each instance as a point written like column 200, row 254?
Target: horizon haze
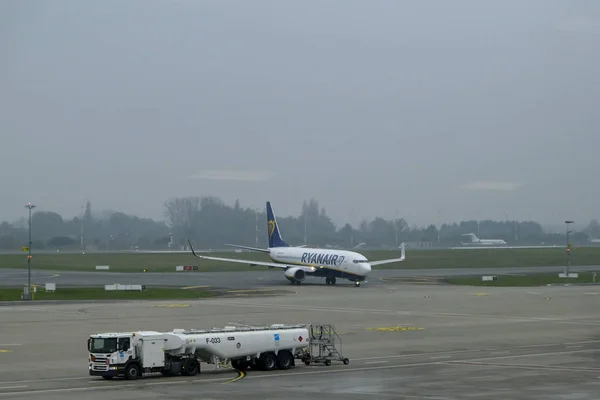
column 433, row 111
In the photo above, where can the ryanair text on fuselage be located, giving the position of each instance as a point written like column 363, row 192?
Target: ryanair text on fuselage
column 322, row 259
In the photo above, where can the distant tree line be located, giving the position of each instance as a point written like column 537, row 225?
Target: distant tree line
column 210, row 223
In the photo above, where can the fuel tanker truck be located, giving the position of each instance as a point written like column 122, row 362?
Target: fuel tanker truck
column 180, row 352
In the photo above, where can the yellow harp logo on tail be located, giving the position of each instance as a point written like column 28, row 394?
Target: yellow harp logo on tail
column 271, row 224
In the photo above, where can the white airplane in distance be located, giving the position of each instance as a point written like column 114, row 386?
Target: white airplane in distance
column 484, row 242
column 299, row 262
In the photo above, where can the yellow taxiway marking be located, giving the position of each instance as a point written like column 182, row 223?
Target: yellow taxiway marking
column 5, row 351
column 395, row 328
column 252, row 290
column 173, row 305
column 241, row 374
column 479, row 294
column 195, row 287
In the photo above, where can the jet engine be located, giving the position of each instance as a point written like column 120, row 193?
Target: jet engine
column 295, row 274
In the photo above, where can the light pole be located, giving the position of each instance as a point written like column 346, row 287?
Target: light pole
column 256, row 227
column 440, row 226
column 82, row 214
column 352, row 228
column 396, row 227
column 30, row 206
column 305, row 215
column 568, row 249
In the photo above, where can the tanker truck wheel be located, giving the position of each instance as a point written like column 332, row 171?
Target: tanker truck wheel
column 285, row 360
column 190, row 367
column 133, row 371
column 268, row 362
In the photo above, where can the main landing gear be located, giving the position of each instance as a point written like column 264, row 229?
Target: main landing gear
column 330, row 280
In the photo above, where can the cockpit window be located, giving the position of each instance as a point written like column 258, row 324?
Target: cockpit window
column 360, row 261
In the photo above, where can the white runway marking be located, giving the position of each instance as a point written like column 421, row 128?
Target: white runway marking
column 417, row 355
column 499, row 353
column 49, row 380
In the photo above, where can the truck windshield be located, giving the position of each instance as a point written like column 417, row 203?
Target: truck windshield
column 107, row 345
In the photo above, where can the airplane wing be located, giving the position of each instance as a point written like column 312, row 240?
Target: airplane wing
column 247, row 247
column 237, row 260
column 391, row 260
column 254, row 248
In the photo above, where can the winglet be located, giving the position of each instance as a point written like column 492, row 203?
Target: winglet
column 191, row 248
column 391, row 260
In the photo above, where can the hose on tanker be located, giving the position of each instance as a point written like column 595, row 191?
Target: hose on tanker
column 312, row 333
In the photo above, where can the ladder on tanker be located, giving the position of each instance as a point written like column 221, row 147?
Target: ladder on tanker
column 325, row 346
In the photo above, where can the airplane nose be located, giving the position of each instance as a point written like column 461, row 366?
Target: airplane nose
column 366, row 268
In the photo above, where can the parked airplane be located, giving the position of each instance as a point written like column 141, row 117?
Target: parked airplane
column 484, row 242
column 298, row 263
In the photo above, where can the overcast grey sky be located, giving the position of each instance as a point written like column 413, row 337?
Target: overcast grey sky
column 475, row 108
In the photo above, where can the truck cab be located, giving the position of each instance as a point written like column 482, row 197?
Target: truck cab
column 109, row 353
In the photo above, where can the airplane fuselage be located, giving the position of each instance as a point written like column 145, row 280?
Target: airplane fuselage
column 490, row 242
column 324, row 262
column 483, row 242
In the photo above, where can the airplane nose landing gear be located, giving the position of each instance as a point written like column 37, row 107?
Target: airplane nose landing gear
column 357, row 284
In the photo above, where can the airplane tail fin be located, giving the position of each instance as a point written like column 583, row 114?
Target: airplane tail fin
column 473, row 237
column 275, row 239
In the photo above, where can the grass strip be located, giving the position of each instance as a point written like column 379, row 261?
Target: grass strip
column 95, row 293
column 415, row 259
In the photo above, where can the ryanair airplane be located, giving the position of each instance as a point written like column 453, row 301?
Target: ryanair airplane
column 300, row 262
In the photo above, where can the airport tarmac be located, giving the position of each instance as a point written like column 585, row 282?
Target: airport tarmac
column 246, row 279
column 403, row 342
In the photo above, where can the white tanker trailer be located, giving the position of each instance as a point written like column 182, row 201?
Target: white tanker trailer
column 132, row 354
